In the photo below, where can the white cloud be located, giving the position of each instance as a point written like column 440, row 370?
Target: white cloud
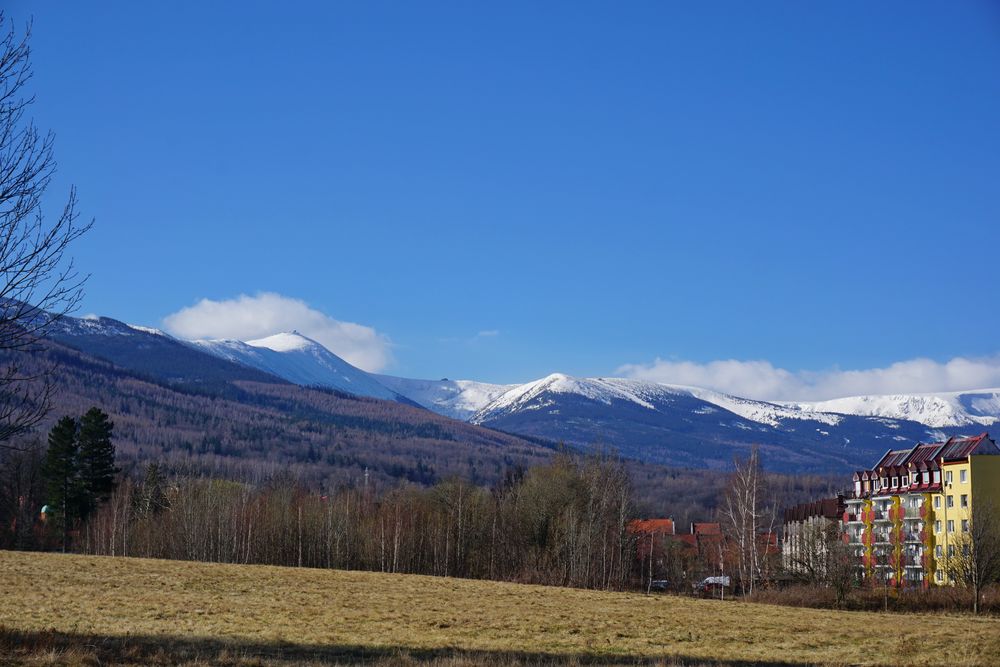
column 267, row 313
column 489, row 333
column 762, row 380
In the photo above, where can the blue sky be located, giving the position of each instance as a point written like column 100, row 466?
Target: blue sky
column 502, row 191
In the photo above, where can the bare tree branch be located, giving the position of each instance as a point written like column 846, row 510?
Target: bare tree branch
column 38, row 281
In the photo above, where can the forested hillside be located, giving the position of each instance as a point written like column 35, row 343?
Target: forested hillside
column 251, row 429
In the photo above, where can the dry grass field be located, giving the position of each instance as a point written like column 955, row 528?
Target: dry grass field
column 92, row 610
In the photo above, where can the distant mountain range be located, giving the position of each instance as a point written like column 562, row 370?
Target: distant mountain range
column 668, row 424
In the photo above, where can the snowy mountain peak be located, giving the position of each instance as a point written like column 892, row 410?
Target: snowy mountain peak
column 940, row 410
column 149, row 330
column 285, row 342
column 300, row 360
column 649, row 395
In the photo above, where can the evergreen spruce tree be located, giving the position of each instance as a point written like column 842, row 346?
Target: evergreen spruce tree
column 96, row 458
column 62, row 473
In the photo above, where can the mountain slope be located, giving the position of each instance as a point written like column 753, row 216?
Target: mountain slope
column 687, row 426
column 940, row 410
column 299, row 360
column 150, row 352
column 458, row 399
column 251, row 429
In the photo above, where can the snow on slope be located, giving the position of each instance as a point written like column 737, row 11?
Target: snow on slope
column 761, row 411
column 645, row 394
column 299, row 360
column 458, row 399
column 596, row 389
column 962, row 408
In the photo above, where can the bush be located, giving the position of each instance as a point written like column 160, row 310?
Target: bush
column 936, row 599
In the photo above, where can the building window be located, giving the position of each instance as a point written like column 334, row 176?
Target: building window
column 927, row 477
column 965, row 525
column 937, row 502
column 951, row 550
column 947, row 477
column 961, row 476
column 951, row 501
column 937, row 476
column 885, row 482
column 937, row 526
column 895, row 481
column 951, row 525
column 937, row 575
column 964, row 500
column 937, row 551
column 905, row 480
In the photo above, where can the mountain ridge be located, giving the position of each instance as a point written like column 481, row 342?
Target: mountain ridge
column 648, row 421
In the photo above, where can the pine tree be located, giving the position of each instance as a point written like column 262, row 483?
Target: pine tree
column 96, row 458
column 62, row 473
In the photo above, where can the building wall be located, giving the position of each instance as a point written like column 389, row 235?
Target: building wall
column 922, row 530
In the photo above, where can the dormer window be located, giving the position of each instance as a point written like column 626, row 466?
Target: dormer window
column 937, row 476
column 904, row 480
column 885, row 482
column 895, row 481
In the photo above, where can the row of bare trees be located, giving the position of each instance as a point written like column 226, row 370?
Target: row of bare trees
column 561, row 523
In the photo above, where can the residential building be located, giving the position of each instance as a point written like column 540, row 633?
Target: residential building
column 808, row 528
column 904, row 514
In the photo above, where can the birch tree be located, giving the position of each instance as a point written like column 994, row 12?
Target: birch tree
column 748, row 517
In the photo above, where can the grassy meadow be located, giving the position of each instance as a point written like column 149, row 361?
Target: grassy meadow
column 94, row 610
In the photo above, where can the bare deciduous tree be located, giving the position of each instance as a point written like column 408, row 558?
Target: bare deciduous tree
column 38, row 284
column 976, row 559
column 749, row 520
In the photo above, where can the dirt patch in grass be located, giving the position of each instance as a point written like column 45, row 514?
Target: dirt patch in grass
column 241, row 614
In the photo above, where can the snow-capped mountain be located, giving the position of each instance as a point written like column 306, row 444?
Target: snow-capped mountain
column 647, row 421
column 149, row 352
column 458, row 399
column 962, row 408
column 299, row 360
column 681, row 425
column 642, row 393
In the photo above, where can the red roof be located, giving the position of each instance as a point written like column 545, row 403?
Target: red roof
column 893, row 458
column 648, row 526
column 959, row 448
column 706, row 529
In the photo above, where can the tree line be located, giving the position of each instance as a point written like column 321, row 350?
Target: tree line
column 561, row 523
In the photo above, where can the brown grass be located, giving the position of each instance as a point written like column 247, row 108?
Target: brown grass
column 95, row 610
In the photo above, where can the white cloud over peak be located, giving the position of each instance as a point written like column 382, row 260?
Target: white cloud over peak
column 251, row 317
column 762, row 380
